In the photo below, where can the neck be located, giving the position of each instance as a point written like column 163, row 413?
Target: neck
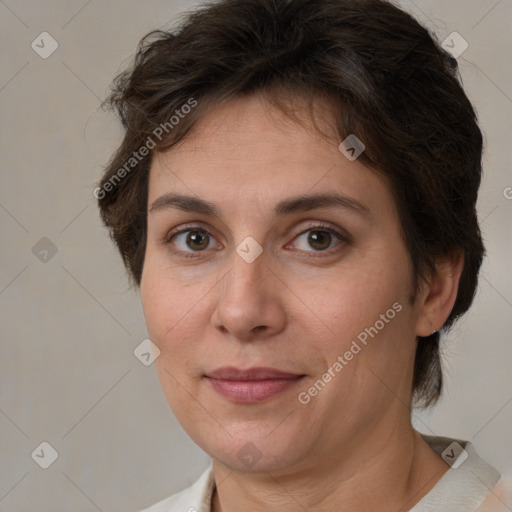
column 390, row 474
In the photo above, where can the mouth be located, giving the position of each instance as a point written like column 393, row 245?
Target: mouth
column 252, row 385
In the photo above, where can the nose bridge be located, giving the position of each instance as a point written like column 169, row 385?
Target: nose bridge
column 248, row 260
column 247, row 300
column 246, row 277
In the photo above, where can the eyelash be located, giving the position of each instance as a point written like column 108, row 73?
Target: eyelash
column 194, row 254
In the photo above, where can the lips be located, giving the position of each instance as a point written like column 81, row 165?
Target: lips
column 252, row 385
column 231, row 373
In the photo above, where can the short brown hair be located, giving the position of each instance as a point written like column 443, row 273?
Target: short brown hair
column 389, row 82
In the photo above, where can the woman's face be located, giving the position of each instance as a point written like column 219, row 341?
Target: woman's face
column 285, row 330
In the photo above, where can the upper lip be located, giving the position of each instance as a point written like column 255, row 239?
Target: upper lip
column 259, row 373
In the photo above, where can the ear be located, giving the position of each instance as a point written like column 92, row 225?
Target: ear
column 439, row 294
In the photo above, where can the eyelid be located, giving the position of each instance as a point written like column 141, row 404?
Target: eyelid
column 182, row 229
column 318, row 224
column 338, row 232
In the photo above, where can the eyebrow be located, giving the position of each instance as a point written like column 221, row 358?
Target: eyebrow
column 300, row 203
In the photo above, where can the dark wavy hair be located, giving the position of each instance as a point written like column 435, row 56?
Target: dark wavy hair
column 388, row 81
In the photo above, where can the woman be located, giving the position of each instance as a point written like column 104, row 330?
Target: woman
column 295, row 197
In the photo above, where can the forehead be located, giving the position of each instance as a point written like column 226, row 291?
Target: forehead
column 250, row 148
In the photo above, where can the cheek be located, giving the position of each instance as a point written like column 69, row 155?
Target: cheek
column 369, row 324
column 347, row 302
column 157, row 305
column 176, row 316
column 166, row 304
column 169, row 322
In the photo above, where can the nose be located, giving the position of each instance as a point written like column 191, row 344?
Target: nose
column 249, row 302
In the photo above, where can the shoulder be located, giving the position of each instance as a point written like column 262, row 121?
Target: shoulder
column 467, row 485
column 195, row 498
column 500, row 497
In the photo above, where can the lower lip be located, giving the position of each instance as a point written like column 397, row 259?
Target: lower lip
column 252, row 391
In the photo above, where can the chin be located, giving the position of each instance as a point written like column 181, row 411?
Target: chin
column 252, row 450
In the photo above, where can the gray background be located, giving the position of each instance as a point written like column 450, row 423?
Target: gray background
column 70, row 324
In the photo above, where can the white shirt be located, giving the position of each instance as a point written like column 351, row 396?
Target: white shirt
column 466, row 487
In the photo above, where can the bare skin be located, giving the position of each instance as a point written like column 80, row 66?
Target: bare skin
column 297, row 307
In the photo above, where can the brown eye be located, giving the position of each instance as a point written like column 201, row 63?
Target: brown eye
column 190, row 241
column 197, row 240
column 319, row 240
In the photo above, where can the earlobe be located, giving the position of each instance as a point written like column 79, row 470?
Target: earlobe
column 439, row 295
